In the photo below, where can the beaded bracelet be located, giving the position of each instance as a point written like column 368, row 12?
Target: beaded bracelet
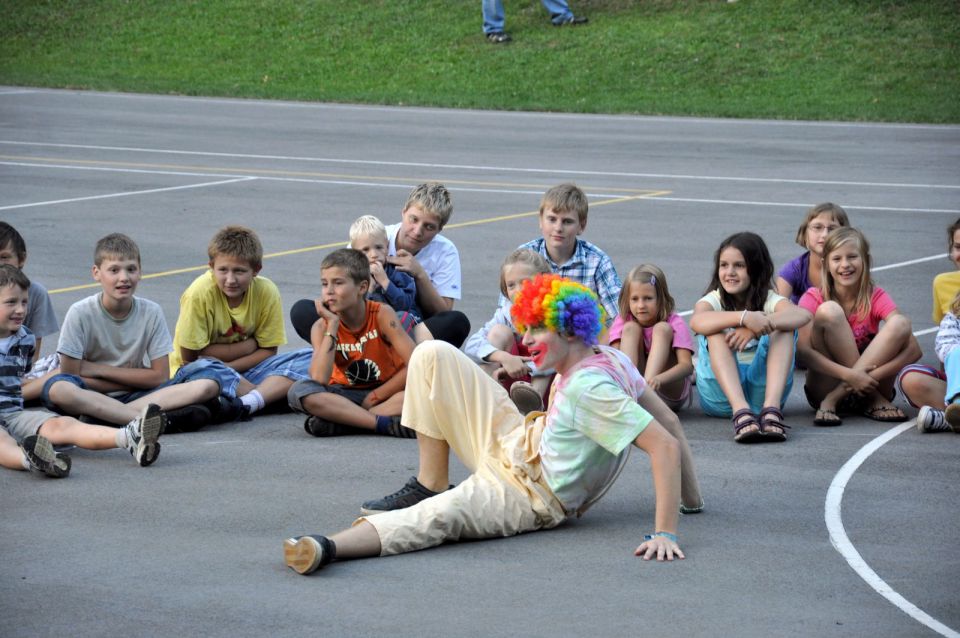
column 667, row 535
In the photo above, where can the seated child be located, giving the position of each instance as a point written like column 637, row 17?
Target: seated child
column 232, row 314
column 806, row 271
column 526, row 476
column 922, row 385
column 41, row 319
column 114, row 349
column 746, row 334
column 497, row 346
column 360, row 353
column 38, row 430
column 563, row 217
column 852, row 361
column 655, row 338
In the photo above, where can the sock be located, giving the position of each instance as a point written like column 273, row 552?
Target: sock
column 253, row 400
column 25, row 462
column 121, row 439
column 383, row 424
column 329, row 550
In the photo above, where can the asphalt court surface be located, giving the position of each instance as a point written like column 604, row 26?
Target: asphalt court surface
column 192, row 544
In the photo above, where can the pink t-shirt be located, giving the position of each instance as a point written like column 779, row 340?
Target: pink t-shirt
column 681, row 333
column 864, row 330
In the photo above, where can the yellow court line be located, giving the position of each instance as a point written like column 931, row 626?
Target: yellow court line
column 278, row 173
column 307, row 249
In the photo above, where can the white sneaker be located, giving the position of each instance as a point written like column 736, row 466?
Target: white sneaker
column 143, row 432
column 932, row 420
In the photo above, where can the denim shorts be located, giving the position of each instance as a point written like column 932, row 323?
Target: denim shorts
column 294, row 365
column 302, row 389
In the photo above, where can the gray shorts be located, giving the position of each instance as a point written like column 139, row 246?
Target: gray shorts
column 23, row 423
column 301, row 389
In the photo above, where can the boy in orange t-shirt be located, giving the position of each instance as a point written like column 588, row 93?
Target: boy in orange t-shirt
column 360, row 354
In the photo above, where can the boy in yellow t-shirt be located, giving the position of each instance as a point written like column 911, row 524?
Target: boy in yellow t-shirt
column 232, row 314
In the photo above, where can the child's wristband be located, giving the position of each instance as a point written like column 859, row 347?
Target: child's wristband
column 667, row 535
column 742, row 315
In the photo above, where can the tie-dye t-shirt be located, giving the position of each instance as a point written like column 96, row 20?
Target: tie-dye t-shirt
column 593, row 419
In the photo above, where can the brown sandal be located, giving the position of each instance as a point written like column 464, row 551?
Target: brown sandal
column 771, row 417
column 743, row 419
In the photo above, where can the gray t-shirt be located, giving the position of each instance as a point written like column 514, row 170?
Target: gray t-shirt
column 41, row 319
column 91, row 334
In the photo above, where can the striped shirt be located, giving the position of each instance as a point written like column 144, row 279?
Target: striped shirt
column 16, row 352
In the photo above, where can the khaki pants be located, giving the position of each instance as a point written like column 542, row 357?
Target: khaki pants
column 449, row 397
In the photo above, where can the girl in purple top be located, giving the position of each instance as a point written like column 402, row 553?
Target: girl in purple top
column 655, row 338
column 852, row 360
column 804, row 272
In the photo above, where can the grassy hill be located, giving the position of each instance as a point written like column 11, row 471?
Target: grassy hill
column 796, row 59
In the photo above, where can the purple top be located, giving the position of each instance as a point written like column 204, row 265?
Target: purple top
column 796, row 272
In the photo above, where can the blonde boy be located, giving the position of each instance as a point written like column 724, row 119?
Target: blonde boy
column 563, row 218
column 360, row 353
column 38, row 430
column 114, row 351
column 232, row 314
column 388, row 285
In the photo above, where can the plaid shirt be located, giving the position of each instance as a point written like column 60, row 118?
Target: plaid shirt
column 14, row 363
column 589, row 266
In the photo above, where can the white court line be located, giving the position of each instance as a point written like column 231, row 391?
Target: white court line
column 15, row 92
column 909, row 263
column 471, row 167
column 127, row 193
column 520, row 114
column 840, row 540
column 926, row 331
column 308, row 180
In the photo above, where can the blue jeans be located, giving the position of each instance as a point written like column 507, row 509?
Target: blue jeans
column 493, row 17
column 952, row 367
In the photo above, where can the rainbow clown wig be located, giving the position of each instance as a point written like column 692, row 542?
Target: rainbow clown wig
column 559, row 305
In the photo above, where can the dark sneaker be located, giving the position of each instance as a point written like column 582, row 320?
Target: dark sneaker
column 410, row 494
column 526, row 397
column 498, row 37
column 307, row 554
column 189, row 418
column 571, row 21
column 143, row 434
column 226, row 410
column 952, row 416
column 43, row 458
column 400, row 431
column 316, row 426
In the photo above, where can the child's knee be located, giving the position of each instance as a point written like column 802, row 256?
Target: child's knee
column 830, row 313
column 663, row 330
column 53, row 427
column 899, row 325
column 500, row 337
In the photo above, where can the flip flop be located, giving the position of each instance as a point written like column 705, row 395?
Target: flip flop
column 827, row 418
column 883, row 413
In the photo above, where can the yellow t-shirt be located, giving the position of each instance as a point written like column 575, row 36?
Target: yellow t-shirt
column 205, row 317
column 945, row 288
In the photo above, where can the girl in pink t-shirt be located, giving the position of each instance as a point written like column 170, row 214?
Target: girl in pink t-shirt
column 655, row 338
column 852, row 359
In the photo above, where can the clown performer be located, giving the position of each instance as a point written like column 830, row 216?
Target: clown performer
column 528, row 474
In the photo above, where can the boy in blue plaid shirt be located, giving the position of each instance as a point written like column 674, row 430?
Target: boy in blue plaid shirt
column 563, row 217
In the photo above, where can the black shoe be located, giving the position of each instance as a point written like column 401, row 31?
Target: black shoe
column 43, row 458
column 399, row 431
column 498, row 37
column 307, row 554
column 189, row 418
column 226, row 410
column 316, row 426
column 571, row 21
column 410, row 494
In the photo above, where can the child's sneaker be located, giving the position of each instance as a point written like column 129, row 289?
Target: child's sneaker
column 410, row 494
column 189, row 418
column 400, row 431
column 43, row 458
column 952, row 415
column 143, row 432
column 931, row 420
column 307, row 554
column 316, row 426
column 526, row 397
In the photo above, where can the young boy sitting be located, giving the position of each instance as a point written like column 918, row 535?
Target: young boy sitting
column 360, row 353
column 527, row 475
column 114, row 349
column 387, row 284
column 38, row 430
column 563, row 217
column 41, row 319
column 232, row 314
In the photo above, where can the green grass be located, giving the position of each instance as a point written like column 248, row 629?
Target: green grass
column 796, row 59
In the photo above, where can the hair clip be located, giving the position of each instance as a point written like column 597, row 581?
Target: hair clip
column 653, row 280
